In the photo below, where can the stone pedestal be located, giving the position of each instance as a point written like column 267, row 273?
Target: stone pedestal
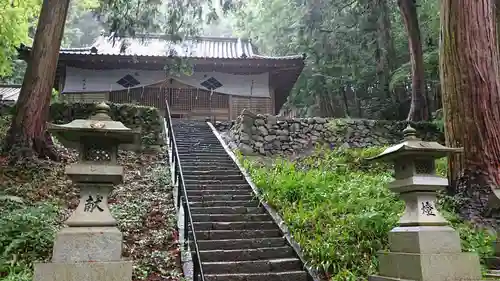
column 84, row 271
column 423, row 247
column 90, row 247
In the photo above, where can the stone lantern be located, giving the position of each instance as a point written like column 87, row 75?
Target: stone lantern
column 90, row 247
column 423, row 246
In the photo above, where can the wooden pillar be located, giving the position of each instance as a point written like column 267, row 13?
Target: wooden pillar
column 230, row 103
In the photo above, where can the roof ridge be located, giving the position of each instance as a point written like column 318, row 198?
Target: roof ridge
column 166, row 37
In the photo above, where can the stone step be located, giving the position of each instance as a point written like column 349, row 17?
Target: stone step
column 248, row 203
column 189, row 141
column 247, row 254
column 237, row 225
column 202, row 153
column 220, row 167
column 229, row 217
column 236, row 234
column 244, row 187
column 184, row 142
column 200, row 132
column 207, row 162
column 213, row 171
column 231, row 267
column 220, row 197
column 217, row 192
column 227, row 210
column 214, row 182
column 218, row 154
column 223, row 178
column 206, row 158
column 197, row 152
column 232, row 244
column 197, row 165
column 270, row 276
column 493, row 274
column 186, row 145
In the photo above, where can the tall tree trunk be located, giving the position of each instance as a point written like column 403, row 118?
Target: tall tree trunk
column 497, row 14
column 27, row 133
column 385, row 45
column 469, row 70
column 418, row 108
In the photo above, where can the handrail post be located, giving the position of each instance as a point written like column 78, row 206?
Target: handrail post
column 195, row 269
column 186, row 225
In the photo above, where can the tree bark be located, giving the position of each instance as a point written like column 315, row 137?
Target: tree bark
column 469, row 70
column 27, row 135
column 385, row 45
column 418, row 109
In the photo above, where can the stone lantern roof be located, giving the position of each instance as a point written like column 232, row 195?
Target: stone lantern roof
column 98, row 127
column 412, row 145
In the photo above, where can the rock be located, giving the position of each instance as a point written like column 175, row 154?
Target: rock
column 272, row 120
column 258, row 138
column 244, row 137
column 245, row 149
column 263, row 131
column 320, row 120
column 283, row 132
column 259, row 122
column 269, row 138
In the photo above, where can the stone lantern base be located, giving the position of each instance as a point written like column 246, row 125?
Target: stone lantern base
column 84, row 271
column 426, row 253
column 428, row 267
column 86, row 254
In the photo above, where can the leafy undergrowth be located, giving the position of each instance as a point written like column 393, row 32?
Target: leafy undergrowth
column 339, row 209
column 36, row 197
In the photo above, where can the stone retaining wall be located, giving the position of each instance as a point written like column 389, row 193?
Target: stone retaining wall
column 268, row 135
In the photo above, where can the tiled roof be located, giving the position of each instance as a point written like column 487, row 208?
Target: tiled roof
column 158, row 46
column 10, row 92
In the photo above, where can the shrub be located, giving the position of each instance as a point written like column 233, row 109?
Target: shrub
column 339, row 210
column 26, row 236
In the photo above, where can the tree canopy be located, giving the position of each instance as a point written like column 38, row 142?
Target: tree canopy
column 350, row 45
column 16, row 19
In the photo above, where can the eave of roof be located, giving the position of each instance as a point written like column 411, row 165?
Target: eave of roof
column 152, row 46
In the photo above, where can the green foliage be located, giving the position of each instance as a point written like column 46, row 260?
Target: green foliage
column 26, row 236
column 338, row 208
column 133, row 116
column 16, row 18
column 55, row 96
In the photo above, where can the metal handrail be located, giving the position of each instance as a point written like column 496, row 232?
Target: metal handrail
column 181, row 189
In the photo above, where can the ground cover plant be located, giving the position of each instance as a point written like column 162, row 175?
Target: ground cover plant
column 36, row 197
column 338, row 208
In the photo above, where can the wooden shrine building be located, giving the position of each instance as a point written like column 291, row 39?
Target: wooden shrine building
column 219, row 77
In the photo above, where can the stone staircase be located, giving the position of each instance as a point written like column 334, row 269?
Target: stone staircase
column 238, row 240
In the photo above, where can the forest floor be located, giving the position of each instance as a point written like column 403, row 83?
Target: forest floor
column 36, row 197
